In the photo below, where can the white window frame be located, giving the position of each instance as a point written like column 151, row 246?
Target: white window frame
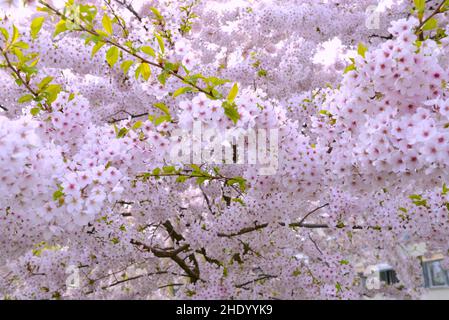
column 427, row 265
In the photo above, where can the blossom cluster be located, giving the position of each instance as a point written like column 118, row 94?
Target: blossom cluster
column 94, row 96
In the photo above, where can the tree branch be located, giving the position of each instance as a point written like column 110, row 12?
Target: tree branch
column 263, row 277
column 19, row 77
column 128, row 51
column 419, row 30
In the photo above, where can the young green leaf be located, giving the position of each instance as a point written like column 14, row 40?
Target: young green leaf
column 420, row 5
column 148, row 50
column 36, row 26
column 231, row 112
column 5, row 33
column 361, row 50
column 126, row 65
column 181, row 91
column 15, row 34
column 137, row 125
column 161, row 106
column 349, row 68
column 122, row 132
column 157, row 13
column 44, row 82
column 162, row 77
column 138, row 71
column 233, row 93
column 160, row 42
column 162, row 119
column 107, row 24
column 431, row 24
column 21, row 45
column 60, row 27
column 112, row 56
column 58, row 194
column 97, row 47
column 52, row 92
column 35, row 111
column 145, row 70
column 25, row 98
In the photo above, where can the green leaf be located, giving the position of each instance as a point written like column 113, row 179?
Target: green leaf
column 361, row 50
column 58, row 194
column 102, row 33
column 445, row 7
column 231, row 112
column 233, row 93
column 60, row 27
column 338, row 286
column 161, row 106
column 19, row 55
column 445, row 189
column 182, row 179
column 97, row 47
column 126, row 65
column 36, row 26
column 15, row 34
column 262, row 73
column 156, row 13
column 160, row 41
column 201, row 180
column 137, row 125
column 145, row 70
column 168, row 169
column 29, row 69
column 162, row 77
column 431, row 24
column 107, row 24
column 420, row 203
column 181, row 91
column 137, row 72
column 52, row 92
column 171, row 66
column 195, row 168
column 420, row 5
column 217, row 81
column 122, row 132
column 225, row 272
column 35, row 111
column 44, row 82
column 238, row 200
column 162, row 119
column 5, row 33
column 25, row 98
column 237, row 180
column 112, row 56
column 418, row 200
column 21, row 45
column 148, row 50
column 349, row 68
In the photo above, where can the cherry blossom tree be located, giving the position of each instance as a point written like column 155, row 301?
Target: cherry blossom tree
column 108, row 189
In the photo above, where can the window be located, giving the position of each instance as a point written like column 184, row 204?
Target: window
column 383, row 273
column 388, row 276
column 435, row 275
